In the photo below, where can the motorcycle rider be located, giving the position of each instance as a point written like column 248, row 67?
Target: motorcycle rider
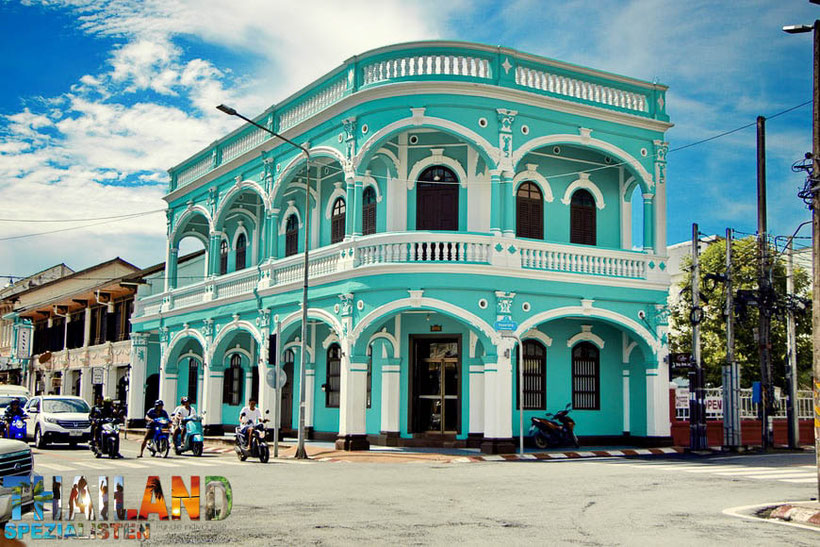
column 103, row 410
column 249, row 416
column 184, row 410
column 14, row 409
column 150, row 418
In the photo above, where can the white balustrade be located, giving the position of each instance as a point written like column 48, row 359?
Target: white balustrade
column 580, row 89
column 425, row 65
column 592, row 261
column 748, row 409
column 244, row 143
column 313, row 104
column 193, row 172
column 421, row 247
column 236, row 284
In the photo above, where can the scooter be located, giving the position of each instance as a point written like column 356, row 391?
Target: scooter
column 108, row 439
column 16, row 429
column 554, row 429
column 193, row 439
column 256, row 447
column 158, row 443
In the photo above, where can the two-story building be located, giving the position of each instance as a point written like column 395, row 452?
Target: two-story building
column 458, row 194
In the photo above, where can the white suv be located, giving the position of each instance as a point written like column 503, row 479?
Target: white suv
column 57, row 419
column 15, row 460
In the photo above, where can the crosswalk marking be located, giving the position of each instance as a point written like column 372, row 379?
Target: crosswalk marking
column 91, row 465
column 199, row 464
column 781, row 476
column 53, row 466
column 128, row 464
column 163, row 464
column 805, row 481
column 792, row 474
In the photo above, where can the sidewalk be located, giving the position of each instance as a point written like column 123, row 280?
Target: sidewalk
column 802, row 513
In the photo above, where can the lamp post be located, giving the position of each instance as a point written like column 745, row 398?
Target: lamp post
column 300, row 450
column 815, row 207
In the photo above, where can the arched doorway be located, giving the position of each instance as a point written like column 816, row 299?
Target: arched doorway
column 287, row 392
column 437, row 199
column 151, row 390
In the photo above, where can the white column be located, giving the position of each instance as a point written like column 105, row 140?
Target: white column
column 476, row 425
column 213, row 397
column 657, row 398
column 110, row 384
column 249, row 383
column 352, row 401
column 310, row 384
column 87, row 328
column 626, row 224
column 391, row 395
column 64, row 390
column 168, row 390
column 86, row 391
column 626, row 397
column 498, row 400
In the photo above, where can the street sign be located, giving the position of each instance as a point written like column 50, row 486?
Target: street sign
column 276, row 377
column 97, row 374
column 506, row 324
column 680, row 361
column 23, row 342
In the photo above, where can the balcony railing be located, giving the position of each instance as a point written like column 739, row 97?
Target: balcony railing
column 434, row 61
column 748, row 409
column 418, row 249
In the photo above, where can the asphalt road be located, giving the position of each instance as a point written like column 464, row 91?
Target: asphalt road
column 676, row 501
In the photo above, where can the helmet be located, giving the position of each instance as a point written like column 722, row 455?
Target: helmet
column 158, row 402
column 183, row 400
column 108, row 400
column 15, row 401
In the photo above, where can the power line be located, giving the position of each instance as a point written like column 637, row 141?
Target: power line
column 117, row 219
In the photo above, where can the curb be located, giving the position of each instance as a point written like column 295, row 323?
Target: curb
column 796, row 513
column 536, row 456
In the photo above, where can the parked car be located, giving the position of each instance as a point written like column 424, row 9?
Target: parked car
column 57, row 419
column 15, row 460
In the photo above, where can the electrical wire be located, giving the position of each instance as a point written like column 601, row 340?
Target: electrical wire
column 118, row 219
column 55, row 220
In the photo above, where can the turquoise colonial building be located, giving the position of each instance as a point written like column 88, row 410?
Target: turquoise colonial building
column 454, row 189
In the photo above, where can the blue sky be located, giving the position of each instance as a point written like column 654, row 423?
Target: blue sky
column 100, row 97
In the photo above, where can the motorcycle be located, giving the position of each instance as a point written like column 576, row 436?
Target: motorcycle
column 15, row 429
column 158, row 443
column 554, row 429
column 108, row 439
column 256, row 446
column 193, row 439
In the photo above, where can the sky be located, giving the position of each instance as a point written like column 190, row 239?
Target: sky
column 98, row 98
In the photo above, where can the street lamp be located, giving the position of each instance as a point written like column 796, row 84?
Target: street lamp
column 300, row 450
column 815, row 207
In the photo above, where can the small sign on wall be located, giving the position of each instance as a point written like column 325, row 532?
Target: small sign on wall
column 435, row 328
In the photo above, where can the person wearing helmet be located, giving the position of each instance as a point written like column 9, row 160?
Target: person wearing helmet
column 150, row 418
column 184, row 410
column 14, row 409
column 104, row 409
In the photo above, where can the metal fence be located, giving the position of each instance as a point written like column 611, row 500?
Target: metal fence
column 748, row 410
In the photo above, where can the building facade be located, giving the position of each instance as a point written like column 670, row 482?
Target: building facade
column 80, row 332
column 458, row 195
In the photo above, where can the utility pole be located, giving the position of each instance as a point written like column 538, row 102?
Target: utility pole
column 764, row 291
column 697, row 422
column 731, row 373
column 791, row 353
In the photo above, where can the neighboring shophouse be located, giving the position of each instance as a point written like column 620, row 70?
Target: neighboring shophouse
column 80, row 339
column 11, row 371
column 456, row 191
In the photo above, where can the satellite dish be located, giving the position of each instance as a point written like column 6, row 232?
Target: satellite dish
column 44, row 357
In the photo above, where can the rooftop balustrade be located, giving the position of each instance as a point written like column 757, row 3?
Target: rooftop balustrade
column 433, row 61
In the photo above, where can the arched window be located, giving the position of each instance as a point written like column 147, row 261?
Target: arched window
column 368, row 211
column 535, row 376
column 582, row 228
column 586, row 394
column 333, row 380
column 337, row 221
column 437, row 199
column 193, row 379
column 232, row 382
column 529, row 205
column 223, row 257
column 292, row 236
column 241, row 248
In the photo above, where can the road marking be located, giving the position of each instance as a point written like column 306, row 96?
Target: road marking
column 91, row 465
column 198, row 464
column 164, row 464
column 782, row 476
column 129, row 464
column 53, row 466
column 758, row 471
column 805, row 481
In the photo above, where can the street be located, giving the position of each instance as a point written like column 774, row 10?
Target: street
column 602, row 501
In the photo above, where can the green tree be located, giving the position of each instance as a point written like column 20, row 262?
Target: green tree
column 713, row 325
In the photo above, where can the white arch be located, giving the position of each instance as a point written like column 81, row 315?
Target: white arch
column 389, row 154
column 192, row 210
column 585, row 183
column 588, row 141
column 424, row 302
column 420, row 120
column 534, row 176
column 231, row 351
column 384, row 335
column 297, row 343
column 535, row 334
column 283, row 224
column 296, row 163
column 178, row 337
column 368, row 180
column 232, row 328
column 313, row 313
column 584, row 311
column 255, row 187
column 586, row 335
column 337, row 193
column 437, row 158
column 241, row 230
column 330, row 339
